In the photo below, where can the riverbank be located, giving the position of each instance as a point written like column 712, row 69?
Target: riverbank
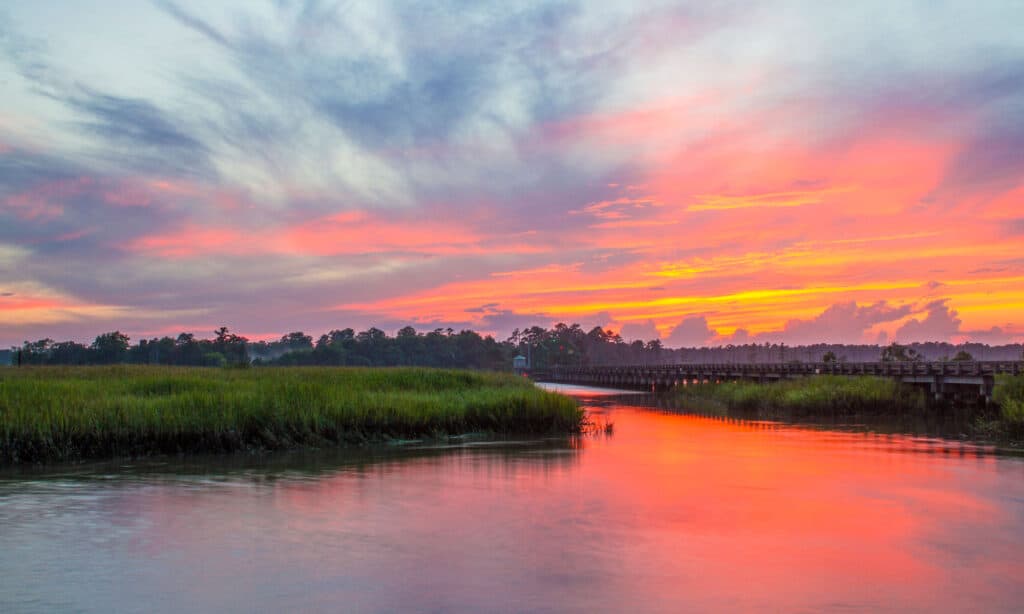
column 1008, row 423
column 852, row 397
column 808, row 396
column 74, row 413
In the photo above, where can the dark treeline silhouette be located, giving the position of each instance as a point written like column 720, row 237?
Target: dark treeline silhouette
column 561, row 345
column 571, row 345
column 374, row 347
column 840, row 352
column 115, row 348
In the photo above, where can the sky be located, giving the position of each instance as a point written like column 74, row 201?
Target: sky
column 700, row 172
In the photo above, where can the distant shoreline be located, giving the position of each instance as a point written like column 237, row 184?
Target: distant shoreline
column 831, row 396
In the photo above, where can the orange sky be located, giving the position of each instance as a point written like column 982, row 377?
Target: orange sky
column 701, row 176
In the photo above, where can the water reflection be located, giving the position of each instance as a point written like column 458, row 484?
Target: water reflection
column 673, row 512
column 296, row 464
column 930, row 430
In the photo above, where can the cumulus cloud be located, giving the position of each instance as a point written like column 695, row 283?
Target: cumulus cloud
column 739, row 337
column 642, row 331
column 994, row 336
column 503, row 321
column 839, row 323
column 601, row 318
column 853, row 323
column 690, row 332
column 940, row 323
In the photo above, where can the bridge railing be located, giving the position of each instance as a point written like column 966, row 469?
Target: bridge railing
column 969, row 368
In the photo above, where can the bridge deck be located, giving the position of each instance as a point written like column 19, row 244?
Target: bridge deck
column 942, row 378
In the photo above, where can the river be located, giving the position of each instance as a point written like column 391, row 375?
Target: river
column 669, row 512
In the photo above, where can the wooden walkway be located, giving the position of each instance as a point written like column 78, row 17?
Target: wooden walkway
column 942, row 379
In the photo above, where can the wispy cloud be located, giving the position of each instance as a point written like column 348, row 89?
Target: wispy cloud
column 282, row 165
column 778, row 199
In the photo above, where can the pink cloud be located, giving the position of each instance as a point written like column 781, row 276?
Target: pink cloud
column 25, row 303
column 690, row 332
column 939, row 324
column 352, row 232
column 642, row 331
column 193, row 241
column 47, row 200
column 128, row 194
column 356, row 232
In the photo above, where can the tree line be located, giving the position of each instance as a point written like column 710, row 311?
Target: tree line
column 116, row 348
column 560, row 345
column 442, row 347
column 341, row 347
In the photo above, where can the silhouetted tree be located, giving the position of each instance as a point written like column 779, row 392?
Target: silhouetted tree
column 68, row 353
column 228, row 348
column 297, row 341
column 898, row 353
column 110, row 348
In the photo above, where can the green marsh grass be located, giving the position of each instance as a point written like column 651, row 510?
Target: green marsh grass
column 67, row 413
column 809, row 396
column 1009, row 396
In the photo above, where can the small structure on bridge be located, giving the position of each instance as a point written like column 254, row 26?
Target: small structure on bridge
column 520, row 364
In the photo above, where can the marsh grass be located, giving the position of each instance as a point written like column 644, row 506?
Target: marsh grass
column 592, row 425
column 823, row 394
column 65, row 413
column 1009, row 397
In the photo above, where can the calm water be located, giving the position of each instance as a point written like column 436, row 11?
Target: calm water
column 671, row 512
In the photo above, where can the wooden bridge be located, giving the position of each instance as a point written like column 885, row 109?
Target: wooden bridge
column 944, row 380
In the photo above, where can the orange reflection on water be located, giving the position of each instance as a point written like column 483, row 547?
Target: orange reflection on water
column 672, row 512
column 757, row 515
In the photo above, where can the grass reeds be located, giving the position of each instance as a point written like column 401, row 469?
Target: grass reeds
column 810, row 396
column 1009, row 396
column 66, row 413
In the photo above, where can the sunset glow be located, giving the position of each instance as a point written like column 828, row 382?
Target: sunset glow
column 277, row 168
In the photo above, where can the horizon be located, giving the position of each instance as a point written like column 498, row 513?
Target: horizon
column 699, row 174
column 722, row 345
